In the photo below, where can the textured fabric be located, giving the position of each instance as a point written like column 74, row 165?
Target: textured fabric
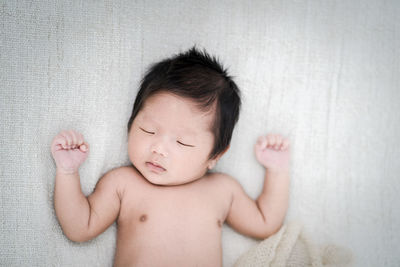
column 291, row 246
column 324, row 73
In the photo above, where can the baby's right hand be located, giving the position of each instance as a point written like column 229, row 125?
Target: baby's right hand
column 69, row 151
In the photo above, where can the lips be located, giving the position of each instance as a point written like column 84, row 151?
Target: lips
column 154, row 167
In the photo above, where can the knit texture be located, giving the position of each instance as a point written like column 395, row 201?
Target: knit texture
column 292, row 247
column 323, row 73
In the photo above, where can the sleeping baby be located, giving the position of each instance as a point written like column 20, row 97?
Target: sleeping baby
column 169, row 206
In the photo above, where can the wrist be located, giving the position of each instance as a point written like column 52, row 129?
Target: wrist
column 277, row 172
column 60, row 171
column 277, row 169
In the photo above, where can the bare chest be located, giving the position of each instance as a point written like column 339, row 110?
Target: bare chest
column 170, row 210
column 178, row 224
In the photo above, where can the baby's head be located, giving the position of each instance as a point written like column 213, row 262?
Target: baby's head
column 182, row 119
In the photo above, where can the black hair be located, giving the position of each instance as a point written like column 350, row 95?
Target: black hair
column 199, row 77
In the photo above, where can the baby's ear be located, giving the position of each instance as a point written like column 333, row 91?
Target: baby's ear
column 215, row 159
column 211, row 164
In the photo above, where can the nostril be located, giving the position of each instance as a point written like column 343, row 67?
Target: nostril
column 159, row 147
column 159, row 152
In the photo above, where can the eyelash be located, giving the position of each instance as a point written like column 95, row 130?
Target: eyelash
column 148, row 132
column 184, row 144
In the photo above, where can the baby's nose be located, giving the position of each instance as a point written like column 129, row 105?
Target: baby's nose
column 160, row 148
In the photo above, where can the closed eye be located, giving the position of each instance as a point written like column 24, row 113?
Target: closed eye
column 184, row 144
column 146, row 131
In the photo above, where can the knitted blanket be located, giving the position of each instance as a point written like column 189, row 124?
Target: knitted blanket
column 292, row 247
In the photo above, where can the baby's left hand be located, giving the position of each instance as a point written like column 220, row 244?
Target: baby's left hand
column 272, row 151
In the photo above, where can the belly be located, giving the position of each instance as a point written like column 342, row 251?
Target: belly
column 183, row 242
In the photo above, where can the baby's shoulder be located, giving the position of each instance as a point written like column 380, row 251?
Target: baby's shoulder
column 224, row 186
column 224, row 180
column 121, row 176
column 125, row 171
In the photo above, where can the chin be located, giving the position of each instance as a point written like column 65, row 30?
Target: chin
column 165, row 181
column 154, row 178
column 160, row 181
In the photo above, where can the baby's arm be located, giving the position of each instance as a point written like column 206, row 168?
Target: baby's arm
column 264, row 217
column 82, row 218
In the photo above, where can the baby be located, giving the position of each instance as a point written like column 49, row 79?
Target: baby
column 168, row 206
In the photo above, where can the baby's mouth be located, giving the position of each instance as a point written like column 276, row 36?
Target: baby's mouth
column 155, row 167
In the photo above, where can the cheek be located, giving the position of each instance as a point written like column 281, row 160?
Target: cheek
column 135, row 146
column 193, row 162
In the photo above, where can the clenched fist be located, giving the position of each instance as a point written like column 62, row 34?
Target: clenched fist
column 272, row 151
column 69, row 151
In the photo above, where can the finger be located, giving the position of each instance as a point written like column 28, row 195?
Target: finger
column 84, row 147
column 259, row 140
column 68, row 139
column 74, row 138
column 271, row 140
column 63, row 142
column 285, row 144
column 59, row 141
column 80, row 139
column 278, row 141
column 262, row 142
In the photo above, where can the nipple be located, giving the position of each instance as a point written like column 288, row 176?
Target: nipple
column 143, row 218
column 219, row 223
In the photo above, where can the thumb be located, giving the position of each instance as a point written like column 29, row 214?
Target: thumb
column 84, row 147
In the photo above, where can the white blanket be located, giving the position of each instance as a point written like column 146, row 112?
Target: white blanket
column 324, row 73
column 292, row 247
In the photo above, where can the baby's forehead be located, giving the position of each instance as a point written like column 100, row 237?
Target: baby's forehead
column 186, row 112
